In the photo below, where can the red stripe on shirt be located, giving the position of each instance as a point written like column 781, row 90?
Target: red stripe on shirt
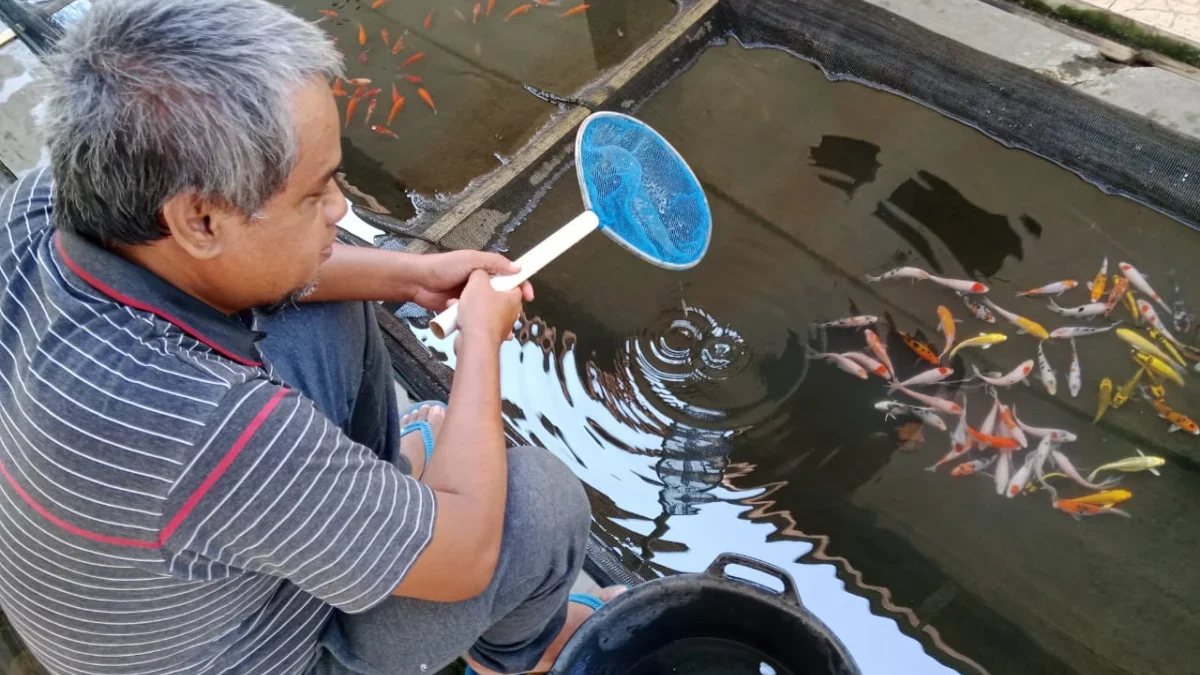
column 138, row 304
column 87, row 534
column 219, row 470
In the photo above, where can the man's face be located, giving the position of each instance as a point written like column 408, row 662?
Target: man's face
column 278, row 254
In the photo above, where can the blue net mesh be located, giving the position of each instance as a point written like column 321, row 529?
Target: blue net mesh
column 643, row 192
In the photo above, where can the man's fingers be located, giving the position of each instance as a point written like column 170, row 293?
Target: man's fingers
column 527, row 291
column 495, row 263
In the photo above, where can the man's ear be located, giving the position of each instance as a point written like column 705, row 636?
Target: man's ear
column 198, row 226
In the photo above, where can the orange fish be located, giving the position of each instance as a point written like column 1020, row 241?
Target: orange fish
column 490, row 5
column 578, row 9
column 358, row 93
column 398, row 46
column 1179, row 421
column 370, row 110
column 384, row 130
column 415, row 79
column 377, row 4
column 371, row 93
column 362, row 35
column 922, row 350
column 1076, row 509
column 337, row 88
column 412, row 59
column 350, row 110
column 428, row 99
column 997, row 442
column 1120, row 285
column 387, row 38
column 362, row 57
column 429, row 20
column 359, row 81
column 519, row 11
column 397, row 105
column 327, row 12
column 475, row 13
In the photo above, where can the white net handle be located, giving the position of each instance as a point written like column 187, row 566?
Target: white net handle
column 533, row 261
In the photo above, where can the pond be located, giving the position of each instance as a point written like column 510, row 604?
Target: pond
column 687, row 403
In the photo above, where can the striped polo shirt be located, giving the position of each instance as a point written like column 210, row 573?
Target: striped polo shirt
column 167, row 504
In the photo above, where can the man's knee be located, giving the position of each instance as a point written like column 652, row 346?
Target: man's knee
column 547, row 506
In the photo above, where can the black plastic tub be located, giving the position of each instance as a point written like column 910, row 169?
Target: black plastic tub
column 707, row 623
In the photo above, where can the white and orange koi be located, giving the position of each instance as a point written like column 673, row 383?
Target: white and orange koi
column 947, row 406
column 1021, row 476
column 880, row 350
column 1016, row 375
column 850, row 322
column 1064, row 465
column 874, row 367
column 914, row 273
column 960, row 285
column 931, row 376
column 1151, row 316
column 840, row 361
column 1139, row 282
column 960, row 440
column 977, row 310
column 973, row 467
column 1056, row 288
column 1008, row 422
column 1023, row 324
column 1055, row 435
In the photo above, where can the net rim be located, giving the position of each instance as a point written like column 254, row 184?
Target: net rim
column 587, row 198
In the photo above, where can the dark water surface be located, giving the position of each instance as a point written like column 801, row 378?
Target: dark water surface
column 686, row 404
column 475, row 74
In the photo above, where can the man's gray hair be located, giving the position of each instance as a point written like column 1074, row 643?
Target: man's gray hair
column 152, row 98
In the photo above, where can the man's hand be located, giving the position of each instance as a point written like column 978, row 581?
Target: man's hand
column 441, row 277
column 485, row 313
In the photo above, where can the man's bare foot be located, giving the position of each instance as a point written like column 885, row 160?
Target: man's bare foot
column 576, row 615
column 412, row 446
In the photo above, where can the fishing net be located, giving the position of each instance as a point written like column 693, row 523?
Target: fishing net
column 646, row 197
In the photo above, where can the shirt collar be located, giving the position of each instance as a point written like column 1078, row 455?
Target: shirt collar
column 133, row 285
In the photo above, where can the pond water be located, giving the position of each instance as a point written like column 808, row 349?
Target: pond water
column 474, row 72
column 687, row 405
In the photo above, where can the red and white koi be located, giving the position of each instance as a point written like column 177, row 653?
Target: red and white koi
column 1056, row 435
column 978, row 310
column 989, row 423
column 1056, row 288
column 850, row 322
column 1017, row 374
column 1139, row 282
column 914, row 273
column 960, row 285
column 874, row 367
column 1072, row 332
column 840, row 361
column 880, row 350
column 973, row 467
column 1008, row 422
column 1064, row 465
column 1091, row 309
column 1004, row 469
column 927, row 415
column 960, row 440
column 1075, row 374
column 947, row 406
column 931, row 376
column 1119, row 288
column 946, row 328
column 1046, row 372
column 996, row 441
column 1151, row 316
column 1020, row 477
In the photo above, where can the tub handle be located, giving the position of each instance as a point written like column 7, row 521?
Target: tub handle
column 717, row 571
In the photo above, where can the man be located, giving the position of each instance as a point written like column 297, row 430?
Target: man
column 188, row 485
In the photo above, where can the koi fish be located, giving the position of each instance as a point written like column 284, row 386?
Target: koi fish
column 922, row 350
column 960, row 441
column 362, row 35
column 1008, row 422
column 578, row 9
column 977, row 310
column 1020, row 477
column 1119, row 288
column 1071, row 332
column 386, row 37
column 989, row 423
column 872, row 366
column 1178, row 421
column 1056, row 288
column 1151, row 317
column 384, row 130
column 1141, row 344
column 947, row 329
column 1091, row 309
column 412, row 59
column 359, row 81
column 973, row 467
column 1003, row 472
column 370, row 111
column 358, row 93
column 427, row 98
column 990, row 441
column 1105, row 398
column 850, row 322
column 362, row 57
column 983, row 341
column 490, row 5
column 1105, row 498
column 337, row 90
column 1139, row 282
column 927, row 415
column 1064, row 465
column 1024, row 325
column 1168, row 346
column 350, row 107
column 960, row 285
column 476, row 12
column 397, row 106
column 1131, row 305
column 944, row 405
column 328, row 12
column 377, row 4
column 1045, row 372
column 371, row 93
column 398, row 45
column 1097, row 286
column 1077, row 510
column 1126, row 391
column 1055, row 435
column 1132, row 465
column 931, row 376
column 1157, row 389
column 1158, row 366
column 914, row 273
column 1075, row 374
column 1017, row 374
column 415, row 79
column 880, row 350
column 521, row 9
column 545, row 3
column 840, row 361
column 429, row 19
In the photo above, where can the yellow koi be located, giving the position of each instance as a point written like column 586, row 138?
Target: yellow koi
column 1157, row 390
column 1167, row 345
column 1105, row 498
column 1026, row 325
column 1098, row 284
column 983, row 341
column 1105, row 397
column 1141, row 344
column 1158, row 367
column 1132, row 464
column 1126, row 391
column 1131, row 305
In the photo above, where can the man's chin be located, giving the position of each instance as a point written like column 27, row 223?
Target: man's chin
column 295, row 297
